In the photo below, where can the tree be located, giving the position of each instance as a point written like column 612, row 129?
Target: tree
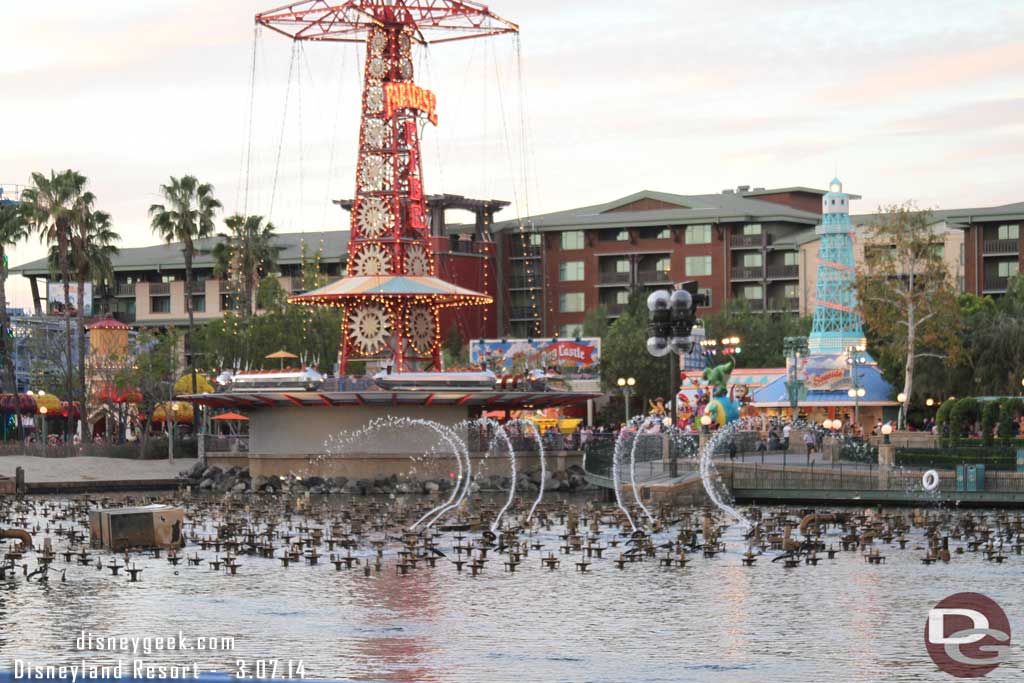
column 186, row 216
column 760, row 334
column 49, row 207
column 624, row 353
column 907, row 300
column 150, row 377
column 454, row 351
column 996, row 338
column 12, row 230
column 92, row 245
column 595, row 322
column 248, row 254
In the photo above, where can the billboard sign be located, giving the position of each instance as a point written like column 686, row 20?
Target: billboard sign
column 55, row 298
column 511, row 356
column 825, row 372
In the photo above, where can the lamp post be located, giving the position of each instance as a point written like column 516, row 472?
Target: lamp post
column 902, row 398
column 626, row 384
column 794, row 348
column 855, row 358
column 886, row 431
column 42, row 411
column 672, row 317
column 705, row 422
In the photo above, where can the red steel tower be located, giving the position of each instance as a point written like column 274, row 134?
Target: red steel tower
column 390, row 295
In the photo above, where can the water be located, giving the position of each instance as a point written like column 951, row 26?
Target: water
column 715, row 620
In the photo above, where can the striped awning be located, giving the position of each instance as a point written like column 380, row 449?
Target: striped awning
column 487, row 400
column 426, row 288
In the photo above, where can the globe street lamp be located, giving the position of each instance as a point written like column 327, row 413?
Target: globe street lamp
column 930, row 402
column 705, row 422
column 672, row 317
column 43, row 411
column 855, row 357
column 886, row 431
column 794, row 348
column 902, row 398
column 626, row 384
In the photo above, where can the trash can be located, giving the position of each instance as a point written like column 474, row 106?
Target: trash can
column 979, row 477
column 960, row 479
column 972, row 480
column 1020, row 459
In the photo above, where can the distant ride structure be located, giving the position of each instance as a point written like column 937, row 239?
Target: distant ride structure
column 390, row 295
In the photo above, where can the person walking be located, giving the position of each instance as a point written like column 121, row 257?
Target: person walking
column 786, row 431
column 809, row 441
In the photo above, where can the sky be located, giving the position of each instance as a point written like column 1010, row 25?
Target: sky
column 594, row 100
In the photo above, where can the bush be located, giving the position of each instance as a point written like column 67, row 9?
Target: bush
column 996, row 458
column 961, row 416
column 1010, row 410
column 989, row 417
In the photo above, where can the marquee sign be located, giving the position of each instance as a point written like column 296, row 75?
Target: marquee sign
column 580, row 356
column 825, row 372
column 409, row 96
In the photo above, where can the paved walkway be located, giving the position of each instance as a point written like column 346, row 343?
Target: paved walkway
column 91, row 469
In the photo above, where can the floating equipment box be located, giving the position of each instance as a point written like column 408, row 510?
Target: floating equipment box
column 151, row 526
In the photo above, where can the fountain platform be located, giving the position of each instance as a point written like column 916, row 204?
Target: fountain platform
column 289, row 430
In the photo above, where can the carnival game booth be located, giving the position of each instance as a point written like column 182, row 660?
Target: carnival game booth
column 294, row 420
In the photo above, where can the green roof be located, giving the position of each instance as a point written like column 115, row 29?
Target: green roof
column 171, row 256
column 725, row 207
column 962, row 218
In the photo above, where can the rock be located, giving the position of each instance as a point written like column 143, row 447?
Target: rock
column 258, row 483
column 212, row 472
column 312, row 482
column 239, row 487
column 446, row 484
column 197, row 470
column 206, row 484
column 577, row 481
column 431, row 487
column 338, row 482
column 551, row 484
column 575, row 469
column 317, row 490
column 273, row 483
column 336, row 490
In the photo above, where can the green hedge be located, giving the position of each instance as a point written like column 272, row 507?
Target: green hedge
column 996, row 457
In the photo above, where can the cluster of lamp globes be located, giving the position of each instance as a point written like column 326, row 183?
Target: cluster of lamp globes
column 42, row 409
column 671, row 322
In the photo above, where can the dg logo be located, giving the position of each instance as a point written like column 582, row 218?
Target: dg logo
column 967, row 635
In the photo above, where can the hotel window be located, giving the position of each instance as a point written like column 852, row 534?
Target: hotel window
column 1008, row 232
column 166, row 278
column 623, row 236
column 753, row 293
column 622, row 297
column 199, row 303
column 961, row 253
column 752, row 229
column 572, row 239
column 698, row 234
column 534, row 239
column 664, row 234
column 571, row 302
column 789, row 258
column 622, row 265
column 706, row 291
column 159, row 304
column 698, row 265
column 570, row 271
column 663, row 265
column 570, row 331
column 1008, row 268
column 791, row 291
column 752, row 260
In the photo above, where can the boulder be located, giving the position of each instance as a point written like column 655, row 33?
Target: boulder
column 431, row 487
column 258, row 483
column 197, row 470
column 212, row 472
column 206, row 484
column 575, row 469
column 313, row 481
column 239, row 487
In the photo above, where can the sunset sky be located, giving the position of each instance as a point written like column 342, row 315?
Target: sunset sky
column 913, row 100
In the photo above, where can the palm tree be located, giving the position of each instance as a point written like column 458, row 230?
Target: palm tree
column 12, row 231
column 92, row 245
column 249, row 252
column 186, row 216
column 49, row 207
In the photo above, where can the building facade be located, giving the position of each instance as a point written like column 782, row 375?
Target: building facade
column 992, row 246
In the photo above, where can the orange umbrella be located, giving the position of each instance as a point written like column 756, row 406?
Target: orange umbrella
column 231, row 416
column 282, row 354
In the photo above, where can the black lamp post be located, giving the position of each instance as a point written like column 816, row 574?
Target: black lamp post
column 672, row 317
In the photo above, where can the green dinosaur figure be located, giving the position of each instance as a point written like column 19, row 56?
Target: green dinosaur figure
column 718, row 376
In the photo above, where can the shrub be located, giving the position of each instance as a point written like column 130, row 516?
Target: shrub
column 999, row 458
column 961, row 416
column 989, row 417
column 1009, row 412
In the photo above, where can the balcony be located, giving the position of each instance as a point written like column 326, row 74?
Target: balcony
column 785, row 304
column 525, row 251
column 783, row 272
column 749, row 241
column 1000, row 247
column 614, row 310
column 198, row 287
column 524, row 313
column 995, row 284
column 228, row 286
column 124, row 289
column 613, row 278
column 755, row 304
column 159, row 288
column 744, row 273
column 523, row 282
column 654, row 277
column 291, row 284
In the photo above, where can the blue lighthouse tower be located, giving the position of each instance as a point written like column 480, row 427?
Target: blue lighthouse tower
column 837, row 321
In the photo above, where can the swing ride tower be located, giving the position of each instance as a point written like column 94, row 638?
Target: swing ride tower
column 390, row 295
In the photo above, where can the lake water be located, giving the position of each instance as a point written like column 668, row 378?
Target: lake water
column 715, row 620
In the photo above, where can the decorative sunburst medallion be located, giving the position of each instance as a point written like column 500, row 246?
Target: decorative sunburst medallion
column 377, row 68
column 420, row 328
column 405, row 69
column 375, row 99
column 373, row 216
column 369, row 327
column 377, row 42
column 371, row 259
column 373, row 173
column 416, row 262
column 374, row 132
